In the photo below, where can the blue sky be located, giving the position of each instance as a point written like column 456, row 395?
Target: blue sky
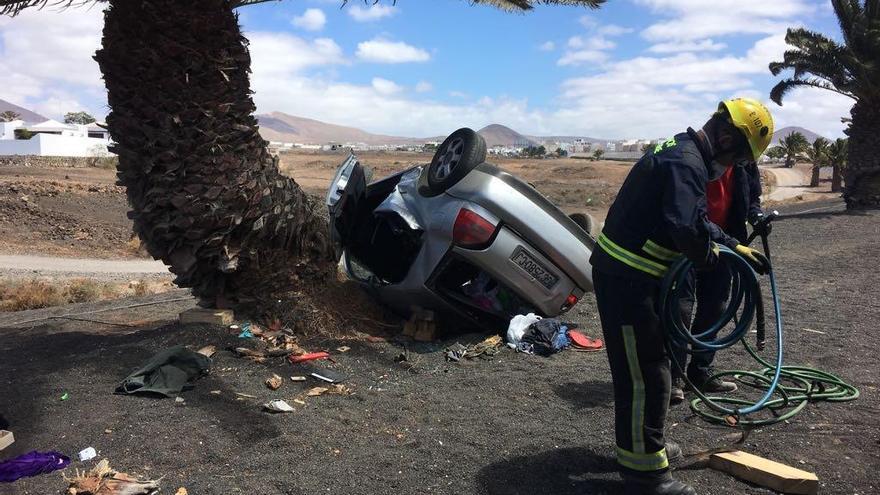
column 635, row 68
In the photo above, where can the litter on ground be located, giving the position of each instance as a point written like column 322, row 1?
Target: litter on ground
column 32, row 464
column 278, row 406
column 103, row 480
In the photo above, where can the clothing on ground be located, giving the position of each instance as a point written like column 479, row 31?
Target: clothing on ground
column 548, row 336
column 32, row 464
column 167, row 373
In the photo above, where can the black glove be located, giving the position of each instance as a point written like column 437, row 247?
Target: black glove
column 760, row 225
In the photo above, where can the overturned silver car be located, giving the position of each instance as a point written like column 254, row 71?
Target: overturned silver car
column 460, row 237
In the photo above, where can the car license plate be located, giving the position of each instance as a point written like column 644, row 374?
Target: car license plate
column 533, row 267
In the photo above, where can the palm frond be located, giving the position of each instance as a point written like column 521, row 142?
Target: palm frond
column 784, row 86
column 13, row 7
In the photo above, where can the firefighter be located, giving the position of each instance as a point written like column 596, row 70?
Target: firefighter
column 731, row 201
column 660, row 213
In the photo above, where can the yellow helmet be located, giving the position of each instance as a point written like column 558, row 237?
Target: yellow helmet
column 753, row 119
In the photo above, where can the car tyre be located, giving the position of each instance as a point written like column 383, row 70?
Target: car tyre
column 586, row 222
column 459, row 153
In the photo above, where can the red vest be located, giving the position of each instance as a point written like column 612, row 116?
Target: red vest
column 719, row 197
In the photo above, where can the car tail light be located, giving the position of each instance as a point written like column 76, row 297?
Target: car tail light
column 471, row 230
column 570, row 301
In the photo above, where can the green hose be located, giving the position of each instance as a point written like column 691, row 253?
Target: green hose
column 785, row 390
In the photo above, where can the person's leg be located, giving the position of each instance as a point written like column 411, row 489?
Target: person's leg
column 640, row 376
column 680, row 354
column 713, row 292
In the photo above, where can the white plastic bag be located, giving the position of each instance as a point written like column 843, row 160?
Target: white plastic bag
column 518, row 326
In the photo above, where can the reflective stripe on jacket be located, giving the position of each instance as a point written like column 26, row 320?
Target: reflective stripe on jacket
column 659, row 212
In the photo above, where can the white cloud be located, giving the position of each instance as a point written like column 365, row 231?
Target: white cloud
column 372, row 12
column 613, row 30
column 385, row 87
column 279, row 54
column 547, row 46
column 46, row 61
column 687, row 46
column 817, row 110
column 699, row 19
column 390, row 52
column 458, row 94
column 423, row 87
column 579, row 57
column 311, row 20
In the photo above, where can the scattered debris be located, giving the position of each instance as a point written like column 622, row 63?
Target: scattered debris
column 297, row 378
column 518, row 326
column 274, row 382
column 278, row 406
column 108, row 431
column 300, row 402
column 245, row 334
column 65, row 396
column 6, row 439
column 490, row 346
column 208, row 350
column 209, row 316
column 328, row 376
column 455, row 352
column 337, row 389
column 814, row 331
column 215, row 392
column 181, row 491
column 103, row 480
column 168, row 372
column 343, row 348
column 308, row 357
column 87, row 454
column 766, row 473
column 581, row 342
column 32, row 464
column 179, row 400
column 248, row 396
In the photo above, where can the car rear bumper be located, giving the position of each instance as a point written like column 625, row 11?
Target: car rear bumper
column 548, row 296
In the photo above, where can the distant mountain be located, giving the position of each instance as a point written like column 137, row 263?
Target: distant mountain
column 26, row 115
column 500, row 135
column 785, row 131
column 278, row 126
column 567, row 139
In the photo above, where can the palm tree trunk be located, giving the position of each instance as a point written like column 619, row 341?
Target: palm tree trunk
column 836, row 178
column 863, row 168
column 814, row 179
column 789, row 161
column 206, row 196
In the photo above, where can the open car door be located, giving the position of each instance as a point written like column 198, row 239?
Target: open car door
column 347, row 191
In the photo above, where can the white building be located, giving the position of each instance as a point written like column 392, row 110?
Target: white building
column 52, row 138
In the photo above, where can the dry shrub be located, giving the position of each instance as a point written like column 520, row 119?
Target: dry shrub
column 83, row 290
column 136, row 248
column 30, row 294
column 141, row 288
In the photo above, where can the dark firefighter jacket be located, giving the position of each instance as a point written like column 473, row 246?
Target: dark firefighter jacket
column 660, row 212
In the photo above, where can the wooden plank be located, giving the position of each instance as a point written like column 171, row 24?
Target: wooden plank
column 209, row 316
column 767, row 473
column 6, row 439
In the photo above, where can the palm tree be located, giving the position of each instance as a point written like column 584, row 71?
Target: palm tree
column 818, row 156
column 792, row 146
column 837, row 155
column 850, row 68
column 9, row 116
column 206, row 195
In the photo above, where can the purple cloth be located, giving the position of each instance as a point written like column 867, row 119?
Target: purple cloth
column 32, row 464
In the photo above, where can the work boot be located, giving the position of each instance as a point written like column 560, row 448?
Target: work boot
column 712, row 386
column 673, row 451
column 654, row 484
column 676, row 395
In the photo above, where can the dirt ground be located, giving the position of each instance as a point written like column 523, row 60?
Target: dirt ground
column 513, row 424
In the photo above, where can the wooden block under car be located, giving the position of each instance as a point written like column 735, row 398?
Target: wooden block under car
column 209, row 316
column 767, row 473
column 6, row 439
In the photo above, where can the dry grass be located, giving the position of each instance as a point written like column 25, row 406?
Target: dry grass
column 36, row 293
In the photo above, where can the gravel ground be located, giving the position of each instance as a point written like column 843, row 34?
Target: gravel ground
column 511, row 425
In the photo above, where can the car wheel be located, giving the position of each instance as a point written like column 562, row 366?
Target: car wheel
column 460, row 153
column 586, row 222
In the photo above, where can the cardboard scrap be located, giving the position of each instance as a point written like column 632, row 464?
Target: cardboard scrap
column 6, row 439
column 278, row 406
column 208, row 350
column 764, row 472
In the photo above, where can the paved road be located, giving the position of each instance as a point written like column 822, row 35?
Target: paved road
column 790, row 182
column 44, row 265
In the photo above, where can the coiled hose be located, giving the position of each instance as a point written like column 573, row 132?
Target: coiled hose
column 793, row 386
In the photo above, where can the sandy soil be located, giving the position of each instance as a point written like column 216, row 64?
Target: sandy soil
column 514, row 424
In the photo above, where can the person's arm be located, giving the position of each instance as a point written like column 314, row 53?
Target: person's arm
column 684, row 209
column 754, row 180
